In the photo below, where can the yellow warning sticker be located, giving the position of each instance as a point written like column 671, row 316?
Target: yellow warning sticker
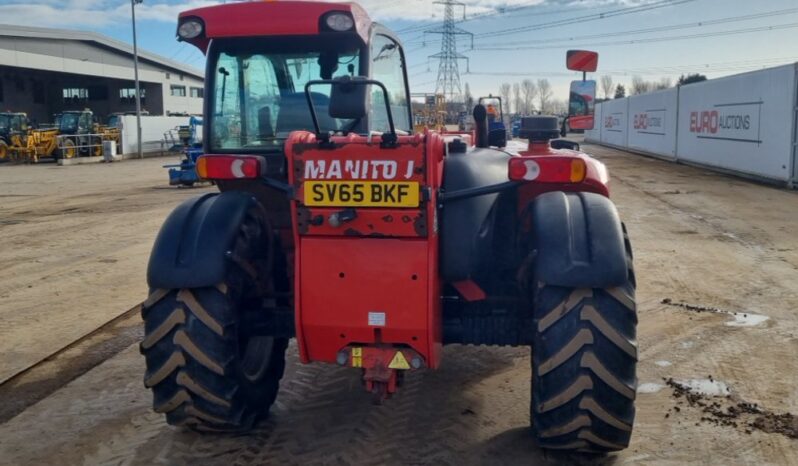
column 399, row 362
column 357, row 357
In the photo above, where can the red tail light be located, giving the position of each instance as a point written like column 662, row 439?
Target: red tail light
column 230, row 167
column 547, row 169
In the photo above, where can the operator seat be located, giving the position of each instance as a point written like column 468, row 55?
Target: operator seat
column 294, row 113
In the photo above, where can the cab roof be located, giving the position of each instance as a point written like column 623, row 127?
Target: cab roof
column 271, row 18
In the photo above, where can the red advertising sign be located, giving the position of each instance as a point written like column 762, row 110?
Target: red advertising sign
column 581, row 60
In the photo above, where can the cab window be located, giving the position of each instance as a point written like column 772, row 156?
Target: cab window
column 387, row 66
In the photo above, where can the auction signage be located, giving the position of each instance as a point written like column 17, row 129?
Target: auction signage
column 653, row 123
column 614, row 121
column 741, row 123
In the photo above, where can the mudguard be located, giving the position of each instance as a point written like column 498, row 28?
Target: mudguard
column 579, row 241
column 190, row 250
column 466, row 227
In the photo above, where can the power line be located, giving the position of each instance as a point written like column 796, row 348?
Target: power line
column 586, row 18
column 645, row 40
column 491, row 14
column 710, row 22
column 572, row 20
column 675, row 69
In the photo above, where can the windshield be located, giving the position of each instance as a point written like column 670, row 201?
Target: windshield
column 259, row 96
column 4, row 122
column 69, row 121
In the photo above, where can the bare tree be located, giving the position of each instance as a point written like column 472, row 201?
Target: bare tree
column 639, row 86
column 664, row 83
column 544, row 94
column 517, row 102
column 468, row 98
column 505, row 91
column 529, row 92
column 558, row 107
column 607, row 86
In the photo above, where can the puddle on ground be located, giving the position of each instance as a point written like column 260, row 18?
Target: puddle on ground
column 663, row 363
column 650, row 387
column 741, row 319
column 708, row 387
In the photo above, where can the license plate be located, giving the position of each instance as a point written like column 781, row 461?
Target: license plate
column 361, row 193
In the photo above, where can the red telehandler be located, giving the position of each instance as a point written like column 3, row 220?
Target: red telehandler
column 372, row 245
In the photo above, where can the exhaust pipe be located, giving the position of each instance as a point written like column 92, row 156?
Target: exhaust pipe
column 481, row 125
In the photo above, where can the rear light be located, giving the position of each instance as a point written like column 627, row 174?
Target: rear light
column 547, row 169
column 339, row 22
column 230, row 167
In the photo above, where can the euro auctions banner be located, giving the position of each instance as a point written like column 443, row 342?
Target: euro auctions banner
column 742, row 123
column 614, row 114
column 653, row 123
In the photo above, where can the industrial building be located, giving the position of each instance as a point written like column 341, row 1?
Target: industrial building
column 46, row 71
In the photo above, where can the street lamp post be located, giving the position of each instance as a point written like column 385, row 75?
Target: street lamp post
column 133, row 4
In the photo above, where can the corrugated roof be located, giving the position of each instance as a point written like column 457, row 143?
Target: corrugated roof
column 86, row 36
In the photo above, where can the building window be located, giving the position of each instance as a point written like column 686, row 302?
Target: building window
column 127, row 96
column 197, row 92
column 181, row 77
column 178, row 91
column 38, row 92
column 76, row 93
column 168, row 76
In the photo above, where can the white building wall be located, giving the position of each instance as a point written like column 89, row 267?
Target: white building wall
column 614, row 122
column 745, row 124
column 741, row 123
column 187, row 104
column 652, row 123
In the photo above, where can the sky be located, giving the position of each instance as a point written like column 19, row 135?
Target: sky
column 513, row 39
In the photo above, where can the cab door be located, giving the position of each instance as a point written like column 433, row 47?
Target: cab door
column 387, row 65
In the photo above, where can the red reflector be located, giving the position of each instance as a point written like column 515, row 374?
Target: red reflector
column 229, row 167
column 547, row 169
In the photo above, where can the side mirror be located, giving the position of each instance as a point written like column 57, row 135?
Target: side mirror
column 581, row 104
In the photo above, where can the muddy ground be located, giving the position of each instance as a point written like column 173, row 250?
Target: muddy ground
column 717, row 265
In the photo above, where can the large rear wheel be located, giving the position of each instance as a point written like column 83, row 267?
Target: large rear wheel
column 67, row 150
column 583, row 366
column 204, row 366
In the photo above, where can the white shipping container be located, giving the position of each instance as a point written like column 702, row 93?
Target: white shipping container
column 652, row 123
column 152, row 132
column 742, row 123
column 614, row 122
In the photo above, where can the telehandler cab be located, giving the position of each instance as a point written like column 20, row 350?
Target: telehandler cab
column 373, row 246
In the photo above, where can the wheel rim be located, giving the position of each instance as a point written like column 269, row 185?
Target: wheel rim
column 257, row 357
column 69, row 149
column 3, row 151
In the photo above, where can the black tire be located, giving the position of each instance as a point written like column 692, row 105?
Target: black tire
column 583, row 366
column 204, row 370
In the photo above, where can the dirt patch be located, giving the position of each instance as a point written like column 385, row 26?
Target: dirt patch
column 741, row 319
column 731, row 411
